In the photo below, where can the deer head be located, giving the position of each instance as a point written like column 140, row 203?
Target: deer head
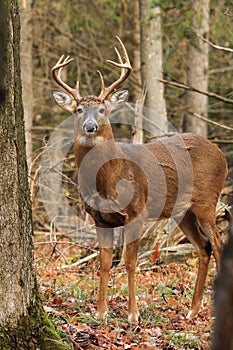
column 92, row 112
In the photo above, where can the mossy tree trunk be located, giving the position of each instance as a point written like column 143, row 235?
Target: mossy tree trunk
column 23, row 322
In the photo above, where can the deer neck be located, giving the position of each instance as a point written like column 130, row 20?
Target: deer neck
column 100, row 165
column 85, row 143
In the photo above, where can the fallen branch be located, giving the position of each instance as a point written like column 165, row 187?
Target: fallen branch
column 57, row 242
column 81, row 261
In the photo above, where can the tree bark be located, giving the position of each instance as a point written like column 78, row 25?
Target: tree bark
column 26, row 72
column 197, row 74
column 151, row 69
column 136, row 53
column 22, row 318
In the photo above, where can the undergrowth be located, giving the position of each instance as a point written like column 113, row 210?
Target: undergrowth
column 164, row 296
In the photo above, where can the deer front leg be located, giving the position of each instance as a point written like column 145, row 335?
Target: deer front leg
column 105, row 237
column 130, row 264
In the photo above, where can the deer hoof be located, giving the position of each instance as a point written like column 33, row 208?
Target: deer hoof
column 101, row 315
column 191, row 314
column 133, row 318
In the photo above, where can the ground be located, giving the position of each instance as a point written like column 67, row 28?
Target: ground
column 164, row 296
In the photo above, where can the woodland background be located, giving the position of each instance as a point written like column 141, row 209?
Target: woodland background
column 86, row 31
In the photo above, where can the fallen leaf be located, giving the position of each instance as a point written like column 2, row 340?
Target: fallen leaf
column 155, row 255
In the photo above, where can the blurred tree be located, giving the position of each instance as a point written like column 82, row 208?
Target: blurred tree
column 223, row 321
column 151, row 65
column 136, row 61
column 197, row 73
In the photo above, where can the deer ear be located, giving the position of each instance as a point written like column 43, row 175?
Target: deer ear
column 119, row 98
column 64, row 100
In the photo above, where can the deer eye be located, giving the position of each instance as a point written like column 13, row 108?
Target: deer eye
column 101, row 110
column 79, row 111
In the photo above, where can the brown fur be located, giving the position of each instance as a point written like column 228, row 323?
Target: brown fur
column 126, row 184
column 194, row 208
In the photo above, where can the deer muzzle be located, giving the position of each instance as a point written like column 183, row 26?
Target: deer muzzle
column 90, row 126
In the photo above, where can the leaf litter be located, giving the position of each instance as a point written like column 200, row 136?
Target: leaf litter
column 164, row 297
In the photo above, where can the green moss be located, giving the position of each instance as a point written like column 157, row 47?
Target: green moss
column 34, row 331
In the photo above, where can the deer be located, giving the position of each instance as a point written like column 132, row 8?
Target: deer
column 127, row 184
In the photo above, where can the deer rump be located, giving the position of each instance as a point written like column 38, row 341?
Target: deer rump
column 123, row 182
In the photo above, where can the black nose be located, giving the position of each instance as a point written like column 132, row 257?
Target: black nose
column 90, row 126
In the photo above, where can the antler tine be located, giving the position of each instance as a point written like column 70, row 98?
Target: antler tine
column 56, row 71
column 126, row 57
column 126, row 69
column 119, row 65
column 101, row 80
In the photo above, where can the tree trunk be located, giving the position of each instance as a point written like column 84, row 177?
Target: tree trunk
column 26, row 72
column 223, row 324
column 136, row 53
column 197, row 74
column 151, row 69
column 23, row 322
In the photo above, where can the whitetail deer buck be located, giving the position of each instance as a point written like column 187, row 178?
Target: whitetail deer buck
column 125, row 184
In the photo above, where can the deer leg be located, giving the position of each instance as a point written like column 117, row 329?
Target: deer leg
column 130, row 264
column 105, row 237
column 210, row 231
column 189, row 226
column 132, row 237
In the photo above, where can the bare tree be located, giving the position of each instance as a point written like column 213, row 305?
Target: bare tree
column 136, row 51
column 197, row 74
column 151, row 63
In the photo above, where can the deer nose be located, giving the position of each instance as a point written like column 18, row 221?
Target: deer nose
column 90, row 126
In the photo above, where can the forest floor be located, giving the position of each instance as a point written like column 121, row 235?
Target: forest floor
column 164, row 293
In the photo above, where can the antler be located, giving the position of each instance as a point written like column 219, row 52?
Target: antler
column 105, row 91
column 56, row 71
column 125, row 71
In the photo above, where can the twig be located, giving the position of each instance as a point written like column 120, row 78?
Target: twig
column 213, row 45
column 223, row 142
column 212, row 122
column 58, row 242
column 191, row 88
column 43, row 128
column 81, row 261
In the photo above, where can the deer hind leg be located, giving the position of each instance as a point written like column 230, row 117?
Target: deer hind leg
column 209, row 230
column 190, row 227
column 105, row 237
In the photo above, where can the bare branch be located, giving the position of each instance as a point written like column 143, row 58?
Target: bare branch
column 212, row 122
column 191, row 88
column 213, row 45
